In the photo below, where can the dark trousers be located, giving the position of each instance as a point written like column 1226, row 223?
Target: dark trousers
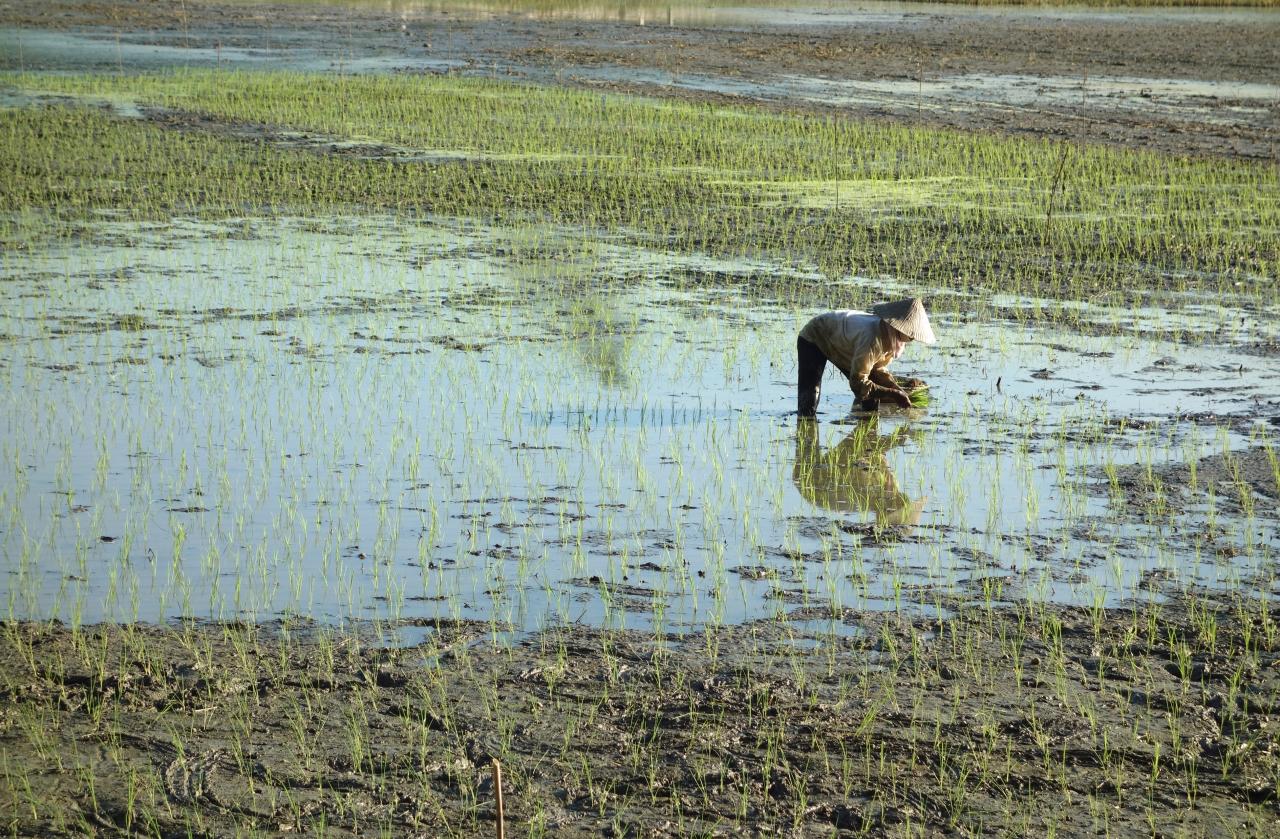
column 812, row 363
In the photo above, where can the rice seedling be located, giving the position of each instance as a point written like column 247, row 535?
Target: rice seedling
column 651, row 166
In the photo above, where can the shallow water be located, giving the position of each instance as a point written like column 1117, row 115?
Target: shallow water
column 387, row 418
column 107, row 51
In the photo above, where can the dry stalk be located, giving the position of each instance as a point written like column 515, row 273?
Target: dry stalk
column 497, row 791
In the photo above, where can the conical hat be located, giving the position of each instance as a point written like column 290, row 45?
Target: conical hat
column 908, row 317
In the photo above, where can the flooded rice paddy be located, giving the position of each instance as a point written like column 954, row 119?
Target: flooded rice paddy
column 353, row 442
column 355, row 418
column 309, row 521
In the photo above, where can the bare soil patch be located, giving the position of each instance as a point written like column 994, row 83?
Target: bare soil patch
column 999, row 720
column 1247, row 481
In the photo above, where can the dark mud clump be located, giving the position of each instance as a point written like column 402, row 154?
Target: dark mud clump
column 1246, row 482
column 1017, row 721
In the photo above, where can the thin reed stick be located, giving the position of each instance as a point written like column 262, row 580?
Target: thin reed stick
column 497, row 791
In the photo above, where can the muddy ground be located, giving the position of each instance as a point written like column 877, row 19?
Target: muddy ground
column 1203, row 83
column 1238, row 482
column 1143, row 720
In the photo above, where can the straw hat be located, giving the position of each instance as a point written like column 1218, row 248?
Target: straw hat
column 908, row 317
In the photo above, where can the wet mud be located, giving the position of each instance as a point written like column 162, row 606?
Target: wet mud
column 1183, row 83
column 1245, row 481
column 1149, row 718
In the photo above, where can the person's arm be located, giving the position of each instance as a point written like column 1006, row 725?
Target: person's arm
column 882, row 377
column 908, row 385
column 867, row 382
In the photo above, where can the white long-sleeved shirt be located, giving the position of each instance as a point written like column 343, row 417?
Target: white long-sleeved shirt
column 855, row 343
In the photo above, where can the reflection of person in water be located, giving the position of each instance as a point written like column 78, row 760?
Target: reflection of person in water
column 861, row 345
column 854, row 476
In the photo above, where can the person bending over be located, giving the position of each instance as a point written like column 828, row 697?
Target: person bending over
column 861, row 345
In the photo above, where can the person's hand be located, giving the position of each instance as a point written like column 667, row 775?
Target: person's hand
column 900, row 398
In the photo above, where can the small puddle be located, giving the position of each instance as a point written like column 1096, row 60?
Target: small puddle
column 121, row 106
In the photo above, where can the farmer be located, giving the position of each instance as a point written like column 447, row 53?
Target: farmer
column 854, row 475
column 861, row 345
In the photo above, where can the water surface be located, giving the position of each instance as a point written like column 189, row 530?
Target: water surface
column 381, row 417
